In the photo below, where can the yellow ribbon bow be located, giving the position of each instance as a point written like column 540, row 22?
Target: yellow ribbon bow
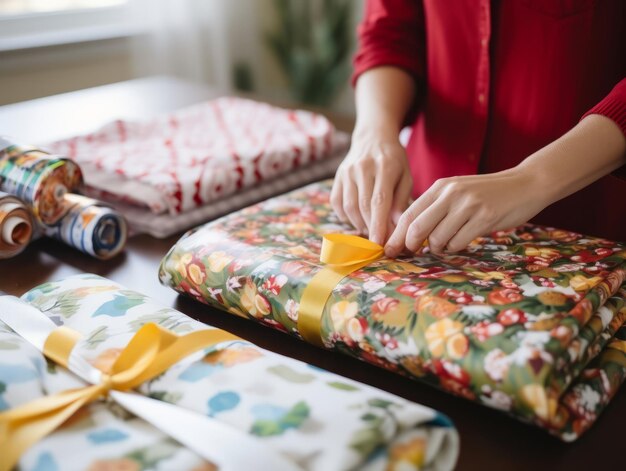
column 342, row 254
column 151, row 351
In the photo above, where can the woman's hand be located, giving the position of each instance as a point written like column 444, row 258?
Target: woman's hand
column 373, row 184
column 454, row 211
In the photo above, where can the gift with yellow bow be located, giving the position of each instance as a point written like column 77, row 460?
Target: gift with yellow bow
column 528, row 321
column 94, row 376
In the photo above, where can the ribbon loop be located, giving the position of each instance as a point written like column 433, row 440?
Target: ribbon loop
column 151, row 351
column 345, row 250
column 60, row 343
column 342, row 254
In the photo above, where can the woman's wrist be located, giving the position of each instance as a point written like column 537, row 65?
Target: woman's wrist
column 380, row 130
column 592, row 149
column 539, row 186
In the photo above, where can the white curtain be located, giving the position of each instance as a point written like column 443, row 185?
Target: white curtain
column 190, row 39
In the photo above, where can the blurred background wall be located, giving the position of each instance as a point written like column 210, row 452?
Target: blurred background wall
column 288, row 51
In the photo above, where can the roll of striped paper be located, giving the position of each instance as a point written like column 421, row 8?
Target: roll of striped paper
column 39, row 179
column 89, row 226
column 16, row 226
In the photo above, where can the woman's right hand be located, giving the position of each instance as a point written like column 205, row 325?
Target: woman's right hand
column 373, row 184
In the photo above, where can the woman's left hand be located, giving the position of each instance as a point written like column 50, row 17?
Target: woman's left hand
column 456, row 210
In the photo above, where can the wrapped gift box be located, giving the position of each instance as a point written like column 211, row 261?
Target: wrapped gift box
column 529, row 320
column 315, row 419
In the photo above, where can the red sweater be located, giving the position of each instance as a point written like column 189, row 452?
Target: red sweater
column 499, row 80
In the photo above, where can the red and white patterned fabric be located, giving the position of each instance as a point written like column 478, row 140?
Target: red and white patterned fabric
column 188, row 159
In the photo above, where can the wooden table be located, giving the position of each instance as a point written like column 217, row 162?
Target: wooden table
column 489, row 439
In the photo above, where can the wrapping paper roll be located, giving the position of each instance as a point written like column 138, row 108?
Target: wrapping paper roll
column 89, row 226
column 16, row 226
column 39, row 179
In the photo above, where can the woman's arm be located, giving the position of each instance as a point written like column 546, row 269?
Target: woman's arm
column 374, row 182
column 454, row 211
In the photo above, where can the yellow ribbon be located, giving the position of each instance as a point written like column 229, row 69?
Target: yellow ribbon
column 151, row 351
column 342, row 254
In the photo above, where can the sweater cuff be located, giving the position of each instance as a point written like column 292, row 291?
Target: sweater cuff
column 381, row 59
column 613, row 108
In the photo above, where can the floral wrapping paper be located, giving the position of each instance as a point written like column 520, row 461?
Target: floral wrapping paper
column 529, row 321
column 319, row 420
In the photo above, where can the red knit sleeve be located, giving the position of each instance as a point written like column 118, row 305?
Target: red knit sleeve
column 391, row 33
column 613, row 106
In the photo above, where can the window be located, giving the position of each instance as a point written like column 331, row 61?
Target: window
column 32, row 24
column 20, row 7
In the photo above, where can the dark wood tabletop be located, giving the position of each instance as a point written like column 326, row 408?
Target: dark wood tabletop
column 489, row 439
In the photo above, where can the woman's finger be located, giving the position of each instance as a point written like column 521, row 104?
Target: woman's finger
column 336, row 198
column 381, row 201
column 365, row 185
column 424, row 224
column 401, row 197
column 396, row 242
column 351, row 206
column 472, row 229
column 445, row 230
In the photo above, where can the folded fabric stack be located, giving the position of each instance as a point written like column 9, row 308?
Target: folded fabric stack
column 529, row 321
column 183, row 168
column 284, row 409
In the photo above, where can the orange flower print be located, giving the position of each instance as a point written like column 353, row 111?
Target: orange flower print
column 563, row 236
column 408, row 455
column 206, row 466
column 582, row 283
column 253, row 302
column 435, row 307
column 535, row 397
column 582, row 311
column 299, row 229
column 413, row 289
column 445, row 337
column 341, row 312
column 543, row 252
column 356, row 328
column 105, row 360
column 196, row 274
column 181, row 264
column 231, row 357
column 504, row 296
column 457, row 346
column 382, row 306
column 552, row 298
column 296, row 268
column 217, row 261
column 119, row 464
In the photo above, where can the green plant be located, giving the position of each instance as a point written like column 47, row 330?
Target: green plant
column 312, row 45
